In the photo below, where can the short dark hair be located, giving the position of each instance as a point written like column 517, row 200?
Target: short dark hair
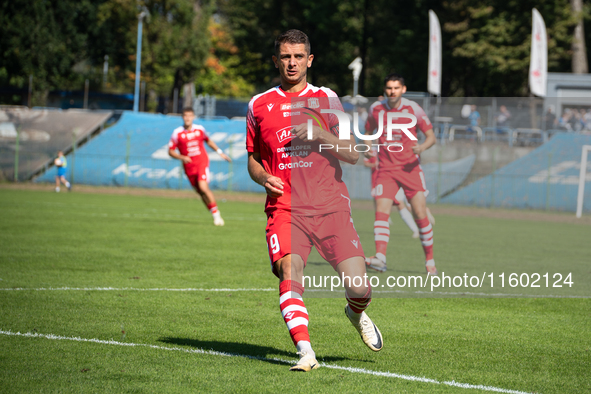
column 188, row 109
column 394, row 77
column 293, row 36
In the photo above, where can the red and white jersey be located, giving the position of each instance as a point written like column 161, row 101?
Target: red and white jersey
column 190, row 143
column 406, row 157
column 312, row 179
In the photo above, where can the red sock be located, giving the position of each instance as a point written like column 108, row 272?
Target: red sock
column 426, row 232
column 213, row 208
column 381, row 230
column 293, row 310
column 358, row 305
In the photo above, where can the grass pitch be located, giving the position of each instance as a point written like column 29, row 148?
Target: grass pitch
column 142, row 248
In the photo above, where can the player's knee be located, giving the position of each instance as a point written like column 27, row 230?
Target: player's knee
column 289, row 267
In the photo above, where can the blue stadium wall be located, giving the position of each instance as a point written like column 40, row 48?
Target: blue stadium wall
column 134, row 152
column 548, row 177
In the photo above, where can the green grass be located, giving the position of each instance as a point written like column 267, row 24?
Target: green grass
column 74, row 240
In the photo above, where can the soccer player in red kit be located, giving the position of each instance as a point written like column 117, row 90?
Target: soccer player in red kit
column 307, row 201
column 400, row 167
column 189, row 139
column 399, row 201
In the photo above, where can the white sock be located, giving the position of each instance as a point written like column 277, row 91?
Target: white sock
column 57, row 189
column 430, row 263
column 381, row 256
column 67, row 184
column 355, row 316
column 409, row 220
column 305, row 346
column 216, row 215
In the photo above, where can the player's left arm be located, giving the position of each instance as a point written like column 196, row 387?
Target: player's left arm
column 424, row 124
column 429, row 142
column 214, row 146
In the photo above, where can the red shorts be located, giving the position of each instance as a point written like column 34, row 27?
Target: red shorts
column 389, row 181
column 197, row 173
column 333, row 235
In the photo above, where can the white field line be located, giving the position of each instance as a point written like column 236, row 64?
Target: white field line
column 123, row 289
column 464, row 293
column 279, row 360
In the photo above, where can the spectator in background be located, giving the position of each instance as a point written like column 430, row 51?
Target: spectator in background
column 587, row 120
column 549, row 121
column 62, row 168
column 474, row 118
column 564, row 121
column 576, row 120
column 503, row 118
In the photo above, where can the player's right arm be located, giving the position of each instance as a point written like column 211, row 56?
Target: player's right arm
column 272, row 184
column 174, row 154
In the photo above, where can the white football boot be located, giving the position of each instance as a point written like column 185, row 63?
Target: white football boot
column 307, row 362
column 370, row 334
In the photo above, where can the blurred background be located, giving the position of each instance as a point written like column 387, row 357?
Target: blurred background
column 105, row 80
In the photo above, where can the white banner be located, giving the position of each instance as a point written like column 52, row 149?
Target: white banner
column 538, row 66
column 434, row 78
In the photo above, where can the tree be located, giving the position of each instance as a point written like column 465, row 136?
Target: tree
column 45, row 39
column 175, row 45
column 490, row 44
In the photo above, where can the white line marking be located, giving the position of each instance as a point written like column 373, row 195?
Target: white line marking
column 216, row 353
column 444, row 293
column 121, row 289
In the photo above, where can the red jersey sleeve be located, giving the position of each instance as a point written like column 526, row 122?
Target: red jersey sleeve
column 173, row 141
column 205, row 136
column 423, row 122
column 252, row 130
column 371, row 122
column 333, row 103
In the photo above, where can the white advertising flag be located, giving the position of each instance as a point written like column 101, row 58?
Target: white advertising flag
column 434, row 79
column 538, row 66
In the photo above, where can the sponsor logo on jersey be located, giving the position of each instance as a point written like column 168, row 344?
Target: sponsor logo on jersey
column 270, row 106
column 295, row 164
column 285, row 134
column 288, row 114
column 288, row 106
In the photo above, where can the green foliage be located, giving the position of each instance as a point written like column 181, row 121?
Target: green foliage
column 486, row 43
column 224, row 68
column 45, row 39
column 491, row 40
column 175, row 40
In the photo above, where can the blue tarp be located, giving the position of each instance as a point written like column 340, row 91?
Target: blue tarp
column 548, row 177
column 135, row 152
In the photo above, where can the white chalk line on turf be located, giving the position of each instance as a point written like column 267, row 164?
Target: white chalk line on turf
column 125, row 289
column 442, row 293
column 279, row 360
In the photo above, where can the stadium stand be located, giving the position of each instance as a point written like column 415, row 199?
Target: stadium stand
column 39, row 134
column 134, row 152
column 546, row 178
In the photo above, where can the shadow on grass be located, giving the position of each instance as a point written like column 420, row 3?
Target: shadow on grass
column 263, row 353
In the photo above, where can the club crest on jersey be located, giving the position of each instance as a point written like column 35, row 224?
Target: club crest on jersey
column 285, row 134
column 313, row 102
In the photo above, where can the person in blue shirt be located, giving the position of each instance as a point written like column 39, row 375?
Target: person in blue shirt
column 474, row 118
column 62, row 168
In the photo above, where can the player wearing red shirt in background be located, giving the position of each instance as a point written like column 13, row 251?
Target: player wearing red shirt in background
column 189, row 140
column 307, row 201
column 399, row 201
column 400, row 168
